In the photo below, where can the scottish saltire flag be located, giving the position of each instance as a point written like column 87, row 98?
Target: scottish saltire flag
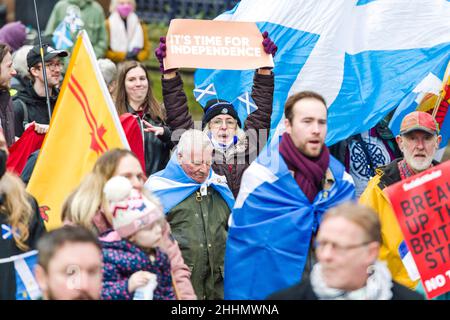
column 271, row 226
column 245, row 103
column 364, row 57
column 7, row 231
column 172, row 185
column 26, row 284
column 62, row 38
column 423, row 98
column 204, row 93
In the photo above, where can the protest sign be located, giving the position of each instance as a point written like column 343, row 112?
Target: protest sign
column 215, row 45
column 422, row 206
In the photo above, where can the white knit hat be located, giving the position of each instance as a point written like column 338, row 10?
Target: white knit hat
column 131, row 211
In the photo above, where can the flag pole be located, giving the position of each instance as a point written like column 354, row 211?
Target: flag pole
column 44, row 70
column 444, row 82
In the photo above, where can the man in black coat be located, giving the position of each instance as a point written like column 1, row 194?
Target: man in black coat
column 30, row 104
column 347, row 248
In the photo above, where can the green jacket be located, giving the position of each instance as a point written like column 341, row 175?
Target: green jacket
column 94, row 22
column 200, row 225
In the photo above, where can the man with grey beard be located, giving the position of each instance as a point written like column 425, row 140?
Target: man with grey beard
column 418, row 140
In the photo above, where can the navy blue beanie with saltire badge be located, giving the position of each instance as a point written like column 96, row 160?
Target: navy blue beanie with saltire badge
column 215, row 107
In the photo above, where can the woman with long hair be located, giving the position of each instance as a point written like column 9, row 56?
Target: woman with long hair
column 134, row 95
column 20, row 221
column 86, row 207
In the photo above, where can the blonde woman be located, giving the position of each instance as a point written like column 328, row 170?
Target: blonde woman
column 128, row 36
column 85, row 207
column 20, row 222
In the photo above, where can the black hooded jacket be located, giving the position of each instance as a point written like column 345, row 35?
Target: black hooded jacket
column 36, row 108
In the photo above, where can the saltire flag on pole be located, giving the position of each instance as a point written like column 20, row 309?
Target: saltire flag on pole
column 83, row 126
column 431, row 95
column 363, row 56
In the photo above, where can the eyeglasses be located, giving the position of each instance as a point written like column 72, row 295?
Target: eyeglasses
column 230, row 123
column 321, row 245
column 53, row 66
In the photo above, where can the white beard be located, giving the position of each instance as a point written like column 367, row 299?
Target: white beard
column 418, row 166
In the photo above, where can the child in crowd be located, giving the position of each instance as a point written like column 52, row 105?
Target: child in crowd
column 130, row 252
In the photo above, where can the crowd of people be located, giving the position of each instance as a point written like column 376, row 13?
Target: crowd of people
column 193, row 215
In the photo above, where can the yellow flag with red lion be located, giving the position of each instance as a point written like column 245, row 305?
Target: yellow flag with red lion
column 83, row 126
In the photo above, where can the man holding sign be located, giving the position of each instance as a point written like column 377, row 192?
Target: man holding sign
column 418, row 140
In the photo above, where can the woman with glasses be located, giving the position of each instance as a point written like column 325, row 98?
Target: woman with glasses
column 30, row 103
column 235, row 146
column 347, row 247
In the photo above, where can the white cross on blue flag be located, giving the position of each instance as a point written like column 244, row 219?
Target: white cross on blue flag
column 363, row 56
column 204, row 93
column 62, row 37
column 245, row 102
column 7, row 232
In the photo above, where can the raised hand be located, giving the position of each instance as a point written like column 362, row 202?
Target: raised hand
column 269, row 46
column 160, row 54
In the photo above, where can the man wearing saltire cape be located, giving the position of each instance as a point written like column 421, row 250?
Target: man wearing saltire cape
column 283, row 196
column 83, row 126
column 197, row 203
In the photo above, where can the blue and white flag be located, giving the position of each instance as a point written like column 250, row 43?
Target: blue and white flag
column 26, row 284
column 271, row 226
column 62, row 38
column 363, row 56
column 172, row 185
column 204, row 93
column 245, row 103
column 423, row 98
column 7, row 231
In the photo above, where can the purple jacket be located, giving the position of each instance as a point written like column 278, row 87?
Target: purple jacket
column 121, row 259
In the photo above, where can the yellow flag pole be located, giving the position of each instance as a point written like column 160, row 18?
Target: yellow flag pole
column 445, row 81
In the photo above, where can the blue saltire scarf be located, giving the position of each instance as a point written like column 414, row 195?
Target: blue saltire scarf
column 172, row 185
column 272, row 224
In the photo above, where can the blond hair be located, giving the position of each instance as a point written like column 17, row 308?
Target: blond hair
column 16, row 206
column 87, row 199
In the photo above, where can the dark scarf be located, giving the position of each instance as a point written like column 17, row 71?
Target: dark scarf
column 308, row 172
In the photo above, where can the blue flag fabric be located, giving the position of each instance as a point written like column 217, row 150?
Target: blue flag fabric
column 26, row 284
column 271, row 226
column 245, row 103
column 172, row 185
column 62, row 37
column 363, row 56
column 431, row 84
column 205, row 93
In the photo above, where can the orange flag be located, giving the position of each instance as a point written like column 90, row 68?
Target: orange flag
column 83, row 126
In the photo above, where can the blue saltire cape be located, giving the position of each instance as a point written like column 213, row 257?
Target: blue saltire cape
column 271, row 226
column 172, row 185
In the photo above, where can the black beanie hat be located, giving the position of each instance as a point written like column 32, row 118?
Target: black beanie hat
column 217, row 107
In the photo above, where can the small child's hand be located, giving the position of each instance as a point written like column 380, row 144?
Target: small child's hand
column 139, row 279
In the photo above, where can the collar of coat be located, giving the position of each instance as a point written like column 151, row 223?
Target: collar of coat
column 389, row 174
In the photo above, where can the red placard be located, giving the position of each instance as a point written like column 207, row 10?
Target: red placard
column 422, row 206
